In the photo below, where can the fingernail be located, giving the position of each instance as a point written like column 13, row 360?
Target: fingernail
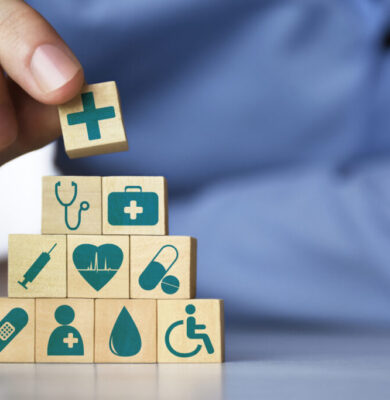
column 52, row 67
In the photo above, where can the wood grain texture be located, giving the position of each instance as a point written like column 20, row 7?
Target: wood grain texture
column 21, row 349
column 144, row 249
column 117, row 287
column 23, row 251
column 46, row 324
column 113, row 137
column 89, row 189
column 149, row 184
column 208, row 312
column 144, row 315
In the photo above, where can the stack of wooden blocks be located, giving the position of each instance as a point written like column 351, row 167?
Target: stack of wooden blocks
column 104, row 282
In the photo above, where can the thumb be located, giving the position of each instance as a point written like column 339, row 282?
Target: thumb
column 34, row 55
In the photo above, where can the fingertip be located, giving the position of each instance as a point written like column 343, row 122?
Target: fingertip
column 34, row 55
column 65, row 92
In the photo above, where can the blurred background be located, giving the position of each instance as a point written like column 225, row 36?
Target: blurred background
column 270, row 120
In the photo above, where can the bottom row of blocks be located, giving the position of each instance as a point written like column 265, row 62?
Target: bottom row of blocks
column 111, row 330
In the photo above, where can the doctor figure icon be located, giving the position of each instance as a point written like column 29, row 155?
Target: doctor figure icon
column 65, row 340
column 192, row 330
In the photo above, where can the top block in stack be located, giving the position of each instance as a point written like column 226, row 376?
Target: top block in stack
column 126, row 205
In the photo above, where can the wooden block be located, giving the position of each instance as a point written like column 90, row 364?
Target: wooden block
column 64, row 330
column 92, row 122
column 135, row 205
column 98, row 266
column 81, row 208
column 125, row 331
column 162, row 267
column 17, row 330
column 32, row 271
column 174, row 321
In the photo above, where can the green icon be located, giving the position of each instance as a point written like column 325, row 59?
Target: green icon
column 97, row 264
column 11, row 325
column 36, row 268
column 65, row 340
column 132, row 207
column 170, row 284
column 192, row 333
column 90, row 116
column 125, row 340
column 155, row 271
column 84, row 205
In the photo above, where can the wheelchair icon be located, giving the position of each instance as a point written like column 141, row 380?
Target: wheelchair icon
column 191, row 330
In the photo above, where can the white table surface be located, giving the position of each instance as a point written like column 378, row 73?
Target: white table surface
column 260, row 365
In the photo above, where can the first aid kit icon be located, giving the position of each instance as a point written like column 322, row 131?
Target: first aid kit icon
column 132, row 207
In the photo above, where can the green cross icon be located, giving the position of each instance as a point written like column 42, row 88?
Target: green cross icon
column 91, row 116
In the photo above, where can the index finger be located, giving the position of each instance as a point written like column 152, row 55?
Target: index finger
column 35, row 56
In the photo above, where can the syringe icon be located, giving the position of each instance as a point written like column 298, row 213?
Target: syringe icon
column 36, row 268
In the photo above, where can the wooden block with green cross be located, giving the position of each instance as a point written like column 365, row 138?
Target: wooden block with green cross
column 92, row 122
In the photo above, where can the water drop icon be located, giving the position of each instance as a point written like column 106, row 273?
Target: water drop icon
column 125, row 340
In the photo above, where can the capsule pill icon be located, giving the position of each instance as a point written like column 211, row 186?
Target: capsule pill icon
column 157, row 269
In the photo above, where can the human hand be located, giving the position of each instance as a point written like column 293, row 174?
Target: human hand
column 41, row 72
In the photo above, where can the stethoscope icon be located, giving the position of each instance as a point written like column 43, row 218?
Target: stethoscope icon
column 84, row 205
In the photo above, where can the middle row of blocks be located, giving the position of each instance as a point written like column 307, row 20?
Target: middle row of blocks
column 101, row 266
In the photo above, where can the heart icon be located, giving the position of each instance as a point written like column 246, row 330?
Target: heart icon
column 97, row 264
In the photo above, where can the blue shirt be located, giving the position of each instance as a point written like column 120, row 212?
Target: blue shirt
column 270, row 120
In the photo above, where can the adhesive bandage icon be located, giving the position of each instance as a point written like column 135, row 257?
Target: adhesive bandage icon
column 11, row 325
